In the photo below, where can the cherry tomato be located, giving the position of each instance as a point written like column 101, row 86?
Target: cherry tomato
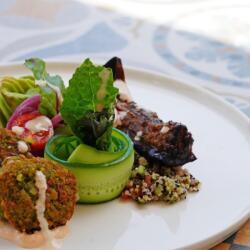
column 37, row 129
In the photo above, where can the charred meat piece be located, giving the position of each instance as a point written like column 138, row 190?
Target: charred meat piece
column 166, row 143
column 115, row 64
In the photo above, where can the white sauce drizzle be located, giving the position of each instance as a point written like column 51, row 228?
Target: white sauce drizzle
column 17, row 130
column 24, row 240
column 55, row 88
column 44, row 238
column 41, row 83
column 123, row 90
column 41, row 184
column 139, row 133
column 117, row 121
column 22, row 147
column 164, row 129
column 138, row 136
column 122, row 114
column 40, row 123
column 58, row 92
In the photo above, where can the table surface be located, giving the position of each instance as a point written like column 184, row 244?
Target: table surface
column 204, row 42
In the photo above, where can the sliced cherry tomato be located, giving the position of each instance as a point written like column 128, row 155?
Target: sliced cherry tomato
column 37, row 130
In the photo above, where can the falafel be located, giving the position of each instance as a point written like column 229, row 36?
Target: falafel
column 10, row 144
column 18, row 193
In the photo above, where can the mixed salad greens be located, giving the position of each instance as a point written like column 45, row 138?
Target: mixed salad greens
column 13, row 91
column 85, row 107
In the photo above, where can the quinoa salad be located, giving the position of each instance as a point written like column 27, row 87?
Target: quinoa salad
column 150, row 183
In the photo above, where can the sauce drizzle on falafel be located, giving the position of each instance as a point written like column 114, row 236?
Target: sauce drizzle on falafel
column 41, row 184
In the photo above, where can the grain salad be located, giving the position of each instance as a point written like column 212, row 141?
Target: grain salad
column 154, row 183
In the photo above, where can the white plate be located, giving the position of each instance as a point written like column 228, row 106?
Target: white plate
column 222, row 145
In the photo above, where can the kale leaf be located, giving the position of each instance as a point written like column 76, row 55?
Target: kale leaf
column 88, row 105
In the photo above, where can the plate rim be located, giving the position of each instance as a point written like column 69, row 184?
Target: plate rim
column 244, row 215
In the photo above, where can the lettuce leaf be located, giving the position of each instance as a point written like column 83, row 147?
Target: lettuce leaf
column 15, row 90
column 38, row 67
column 88, row 105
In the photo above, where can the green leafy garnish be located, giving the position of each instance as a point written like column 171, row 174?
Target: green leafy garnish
column 48, row 102
column 88, row 105
column 38, row 67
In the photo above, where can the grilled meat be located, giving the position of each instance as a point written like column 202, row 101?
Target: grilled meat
column 115, row 64
column 166, row 143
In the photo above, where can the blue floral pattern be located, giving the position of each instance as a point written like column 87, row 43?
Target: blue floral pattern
column 207, row 51
column 237, row 60
column 99, row 38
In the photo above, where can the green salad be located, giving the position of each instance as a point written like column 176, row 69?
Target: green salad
column 13, row 91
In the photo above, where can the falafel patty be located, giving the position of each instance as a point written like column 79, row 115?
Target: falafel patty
column 10, row 144
column 18, row 193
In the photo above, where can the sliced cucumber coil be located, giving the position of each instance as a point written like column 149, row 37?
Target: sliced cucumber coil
column 101, row 175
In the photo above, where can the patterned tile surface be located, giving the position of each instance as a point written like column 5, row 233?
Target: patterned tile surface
column 238, row 241
column 174, row 42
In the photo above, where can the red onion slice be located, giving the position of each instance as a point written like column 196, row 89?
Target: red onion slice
column 56, row 120
column 27, row 106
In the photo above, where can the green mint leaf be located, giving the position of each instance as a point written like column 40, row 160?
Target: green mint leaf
column 88, row 105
